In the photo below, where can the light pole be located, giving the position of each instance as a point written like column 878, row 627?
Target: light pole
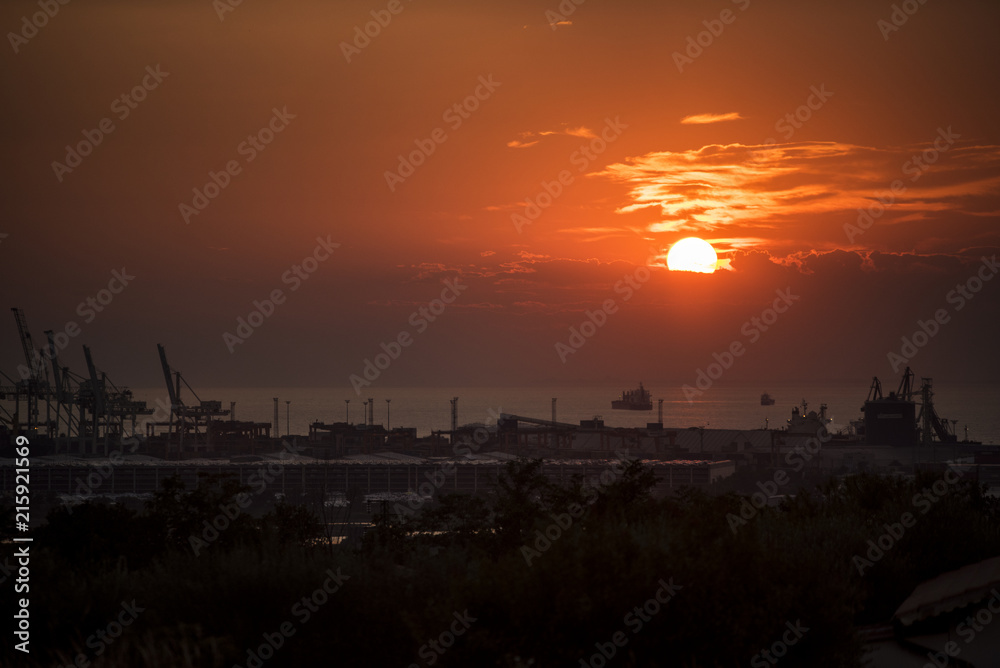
column 277, row 420
column 387, row 423
column 347, row 410
column 365, row 413
column 288, row 411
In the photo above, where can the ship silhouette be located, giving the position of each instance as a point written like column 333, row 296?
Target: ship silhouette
column 634, row 400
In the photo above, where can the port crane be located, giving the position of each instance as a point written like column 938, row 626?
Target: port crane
column 33, row 385
column 931, row 424
column 90, row 414
column 78, row 410
column 187, row 422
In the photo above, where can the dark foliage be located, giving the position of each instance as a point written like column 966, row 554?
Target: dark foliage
column 541, row 574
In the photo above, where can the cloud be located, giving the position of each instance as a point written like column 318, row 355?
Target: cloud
column 736, row 243
column 783, row 193
column 594, row 234
column 572, row 132
column 530, row 138
column 514, row 143
column 523, row 282
column 702, row 119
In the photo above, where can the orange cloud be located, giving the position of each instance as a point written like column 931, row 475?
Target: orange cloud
column 514, row 143
column 702, row 119
column 581, row 131
column 770, row 190
column 531, row 138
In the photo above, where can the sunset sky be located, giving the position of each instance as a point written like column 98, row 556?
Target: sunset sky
column 559, row 153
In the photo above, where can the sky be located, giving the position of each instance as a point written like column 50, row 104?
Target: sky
column 485, row 192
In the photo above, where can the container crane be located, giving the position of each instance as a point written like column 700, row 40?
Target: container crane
column 34, row 382
column 196, row 419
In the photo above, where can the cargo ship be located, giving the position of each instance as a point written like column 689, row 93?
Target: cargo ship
column 634, row 400
column 808, row 422
column 766, row 400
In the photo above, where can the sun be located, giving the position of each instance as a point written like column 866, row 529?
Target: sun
column 692, row 254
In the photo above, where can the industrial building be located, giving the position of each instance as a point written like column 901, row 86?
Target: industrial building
column 388, row 474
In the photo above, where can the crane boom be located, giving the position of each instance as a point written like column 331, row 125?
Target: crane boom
column 875, row 392
column 166, row 376
column 97, row 386
column 54, row 356
column 26, row 345
column 906, row 385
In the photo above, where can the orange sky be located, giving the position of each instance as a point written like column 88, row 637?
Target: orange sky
column 766, row 143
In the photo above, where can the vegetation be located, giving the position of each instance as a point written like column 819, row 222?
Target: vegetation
column 534, row 574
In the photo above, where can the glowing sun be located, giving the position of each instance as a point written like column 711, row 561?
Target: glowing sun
column 692, row 254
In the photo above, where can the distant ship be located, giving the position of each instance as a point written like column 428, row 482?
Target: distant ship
column 634, row 400
column 808, row 423
column 766, row 400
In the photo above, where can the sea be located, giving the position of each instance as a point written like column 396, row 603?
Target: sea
column 976, row 407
